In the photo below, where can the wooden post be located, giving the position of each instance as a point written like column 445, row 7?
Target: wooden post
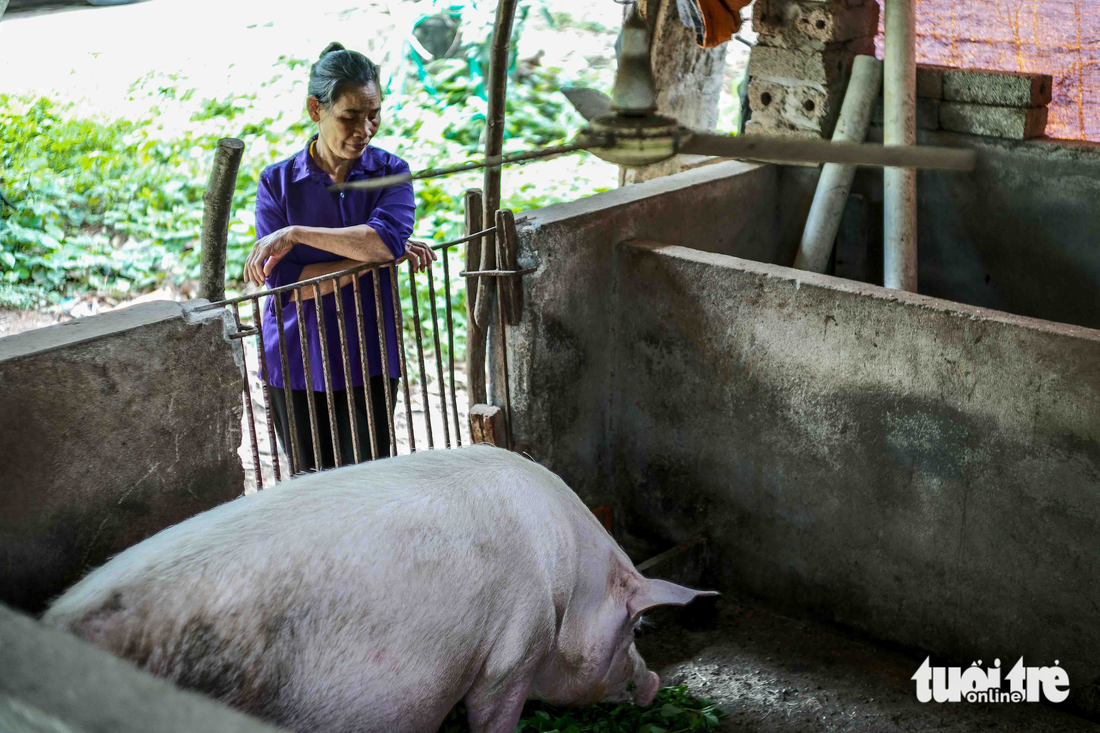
column 511, row 289
column 487, row 425
column 217, row 208
column 475, row 334
column 494, row 145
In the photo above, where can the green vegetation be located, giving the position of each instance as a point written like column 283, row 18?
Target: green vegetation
column 673, row 711
column 114, row 206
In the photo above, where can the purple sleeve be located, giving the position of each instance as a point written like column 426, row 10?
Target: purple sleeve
column 394, row 213
column 270, row 217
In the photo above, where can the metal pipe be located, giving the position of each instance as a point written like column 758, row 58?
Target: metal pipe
column 303, row 341
column 251, row 417
column 353, row 418
column 836, row 180
column 217, row 207
column 367, row 391
column 900, row 128
column 295, row 454
column 265, row 388
column 438, row 358
column 326, row 368
column 420, row 355
column 380, row 319
column 451, row 345
column 501, row 221
column 401, row 350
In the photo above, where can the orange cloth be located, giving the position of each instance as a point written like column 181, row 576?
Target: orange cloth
column 721, row 19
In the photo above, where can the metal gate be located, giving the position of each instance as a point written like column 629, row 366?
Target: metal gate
column 443, row 404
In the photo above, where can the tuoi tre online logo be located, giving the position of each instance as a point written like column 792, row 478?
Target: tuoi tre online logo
column 974, row 684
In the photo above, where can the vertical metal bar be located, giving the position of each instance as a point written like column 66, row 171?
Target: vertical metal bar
column 438, row 356
column 450, row 344
column 367, row 392
column 353, row 418
column 401, row 348
column 309, row 380
column 386, row 362
column 326, row 366
column 264, row 387
column 251, row 414
column 295, row 456
column 420, row 354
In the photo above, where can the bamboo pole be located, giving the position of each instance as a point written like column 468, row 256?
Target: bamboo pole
column 217, row 207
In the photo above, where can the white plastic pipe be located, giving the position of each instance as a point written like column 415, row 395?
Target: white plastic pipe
column 900, row 128
column 836, row 179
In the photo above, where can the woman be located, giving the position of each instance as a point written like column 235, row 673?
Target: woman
column 305, row 231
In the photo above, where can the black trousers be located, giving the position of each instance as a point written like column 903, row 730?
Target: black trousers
column 304, row 435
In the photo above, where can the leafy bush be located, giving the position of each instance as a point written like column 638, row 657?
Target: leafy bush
column 115, row 205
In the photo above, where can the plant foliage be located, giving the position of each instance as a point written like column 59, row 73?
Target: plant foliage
column 673, row 711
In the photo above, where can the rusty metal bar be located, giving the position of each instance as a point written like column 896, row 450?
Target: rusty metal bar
column 368, row 393
column 309, row 380
column 450, row 347
column 420, row 356
column 460, row 240
column 497, row 273
column 326, row 366
column 353, row 418
column 381, row 320
column 295, row 455
column 500, row 217
column 265, row 388
column 322, row 278
column 243, row 333
column 401, row 343
column 438, row 358
column 251, row 416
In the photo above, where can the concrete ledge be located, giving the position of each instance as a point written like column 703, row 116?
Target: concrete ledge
column 51, row 682
column 121, row 425
column 1014, row 123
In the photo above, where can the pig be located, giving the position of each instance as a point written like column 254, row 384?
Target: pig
column 377, row 596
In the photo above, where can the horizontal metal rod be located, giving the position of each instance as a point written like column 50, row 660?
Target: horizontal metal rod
column 245, row 334
column 333, row 275
column 768, row 148
column 496, row 161
column 497, row 273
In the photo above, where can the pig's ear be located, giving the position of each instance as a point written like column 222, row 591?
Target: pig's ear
column 654, row 592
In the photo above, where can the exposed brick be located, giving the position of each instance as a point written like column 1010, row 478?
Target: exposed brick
column 804, row 24
column 768, row 125
column 799, row 106
column 1014, row 123
column 827, row 68
column 928, row 113
column 930, row 80
column 1000, row 88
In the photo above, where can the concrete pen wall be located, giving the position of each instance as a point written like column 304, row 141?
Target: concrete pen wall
column 114, row 427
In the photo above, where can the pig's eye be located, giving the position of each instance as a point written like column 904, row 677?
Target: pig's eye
column 630, row 687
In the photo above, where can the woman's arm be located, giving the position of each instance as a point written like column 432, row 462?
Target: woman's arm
column 360, row 243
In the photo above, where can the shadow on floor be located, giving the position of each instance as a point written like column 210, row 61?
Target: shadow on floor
column 776, row 674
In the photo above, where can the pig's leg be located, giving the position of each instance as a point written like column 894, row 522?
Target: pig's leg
column 499, row 710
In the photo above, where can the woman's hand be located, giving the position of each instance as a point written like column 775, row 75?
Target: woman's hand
column 421, row 255
column 267, row 252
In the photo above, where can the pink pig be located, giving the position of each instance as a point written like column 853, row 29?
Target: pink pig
column 375, row 597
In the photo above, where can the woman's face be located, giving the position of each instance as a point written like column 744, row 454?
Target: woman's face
column 347, row 127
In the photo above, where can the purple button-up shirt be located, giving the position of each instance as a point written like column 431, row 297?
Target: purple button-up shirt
column 295, row 191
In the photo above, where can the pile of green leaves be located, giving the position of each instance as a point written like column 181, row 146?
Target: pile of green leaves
column 673, row 711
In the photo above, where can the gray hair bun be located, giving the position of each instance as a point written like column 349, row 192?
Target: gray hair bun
column 334, row 46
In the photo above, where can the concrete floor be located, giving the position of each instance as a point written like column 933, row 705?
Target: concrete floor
column 776, row 674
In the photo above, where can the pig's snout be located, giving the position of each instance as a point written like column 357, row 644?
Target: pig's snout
column 646, row 690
